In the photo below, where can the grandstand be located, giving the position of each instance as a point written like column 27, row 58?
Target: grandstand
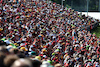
column 38, row 34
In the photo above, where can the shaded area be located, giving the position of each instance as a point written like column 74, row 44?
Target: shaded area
column 96, row 31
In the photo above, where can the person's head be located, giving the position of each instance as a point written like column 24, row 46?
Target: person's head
column 22, row 63
column 36, row 63
column 13, row 51
column 8, row 60
column 2, row 43
column 2, row 56
column 21, row 54
column 3, row 49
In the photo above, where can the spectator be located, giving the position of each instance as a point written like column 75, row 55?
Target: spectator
column 9, row 60
column 22, row 63
column 2, row 56
column 46, row 32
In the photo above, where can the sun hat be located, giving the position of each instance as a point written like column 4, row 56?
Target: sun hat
column 38, row 57
column 23, row 48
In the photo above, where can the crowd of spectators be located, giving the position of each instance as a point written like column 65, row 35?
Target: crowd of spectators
column 41, row 34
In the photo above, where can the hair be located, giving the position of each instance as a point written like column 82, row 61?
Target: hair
column 3, row 49
column 21, row 55
column 36, row 63
column 14, row 51
column 2, row 56
column 2, row 43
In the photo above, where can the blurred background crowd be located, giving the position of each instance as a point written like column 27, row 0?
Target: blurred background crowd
column 41, row 34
